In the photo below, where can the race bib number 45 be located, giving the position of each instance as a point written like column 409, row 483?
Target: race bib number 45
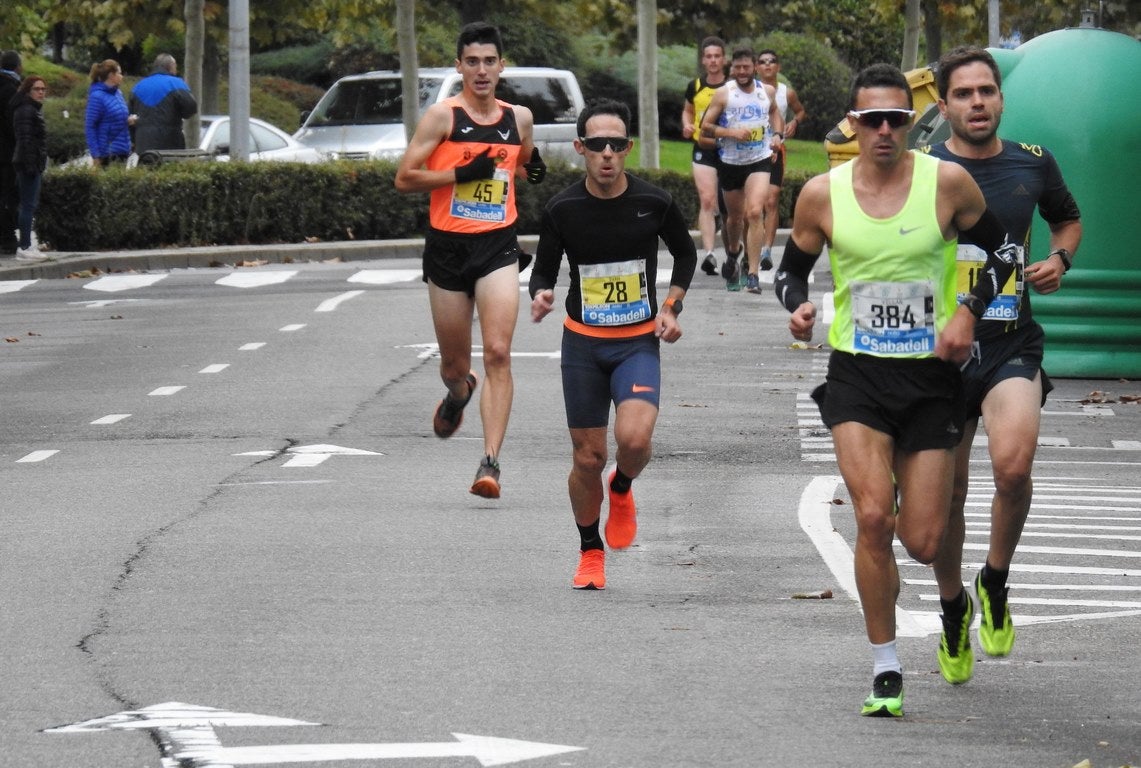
column 893, row 318
column 614, row 293
column 482, row 199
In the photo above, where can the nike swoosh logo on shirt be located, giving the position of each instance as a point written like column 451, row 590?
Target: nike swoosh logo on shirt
column 903, row 231
column 644, row 214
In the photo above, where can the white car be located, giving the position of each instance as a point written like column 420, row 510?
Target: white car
column 267, row 142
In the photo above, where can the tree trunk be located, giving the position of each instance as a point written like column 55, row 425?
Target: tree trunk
column 192, row 62
column 910, row 35
column 648, row 82
column 933, row 30
column 409, row 65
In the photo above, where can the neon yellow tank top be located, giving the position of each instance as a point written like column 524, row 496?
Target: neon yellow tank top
column 894, row 277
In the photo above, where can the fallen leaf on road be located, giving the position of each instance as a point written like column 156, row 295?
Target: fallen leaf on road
column 11, row 340
column 252, row 263
column 824, row 594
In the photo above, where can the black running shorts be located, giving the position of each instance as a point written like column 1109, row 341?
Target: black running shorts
column 455, row 262
column 1017, row 354
column 918, row 402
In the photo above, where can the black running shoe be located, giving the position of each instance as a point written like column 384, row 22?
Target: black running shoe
column 450, row 412
column 886, row 699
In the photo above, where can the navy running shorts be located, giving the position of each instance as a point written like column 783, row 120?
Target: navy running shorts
column 455, row 262
column 598, row 371
column 918, row 402
column 1017, row 354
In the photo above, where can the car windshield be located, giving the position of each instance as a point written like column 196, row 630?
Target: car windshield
column 368, row 102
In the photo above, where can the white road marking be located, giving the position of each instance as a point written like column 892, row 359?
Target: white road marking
column 115, row 283
column 255, row 279
column 253, row 345
column 292, row 327
column 11, row 286
column 215, row 368
column 1127, row 445
column 329, row 305
column 166, row 391
column 112, row 418
column 385, row 276
column 35, row 456
column 187, row 738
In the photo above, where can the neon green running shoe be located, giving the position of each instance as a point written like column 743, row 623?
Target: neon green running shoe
column 956, row 661
column 886, row 699
column 996, row 630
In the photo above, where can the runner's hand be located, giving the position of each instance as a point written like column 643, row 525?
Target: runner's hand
column 536, row 169
column 482, row 166
column 542, row 304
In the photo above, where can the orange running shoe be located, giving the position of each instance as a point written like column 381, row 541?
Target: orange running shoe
column 591, row 573
column 450, row 413
column 487, row 479
column 621, row 523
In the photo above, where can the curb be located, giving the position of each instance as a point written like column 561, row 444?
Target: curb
column 62, row 265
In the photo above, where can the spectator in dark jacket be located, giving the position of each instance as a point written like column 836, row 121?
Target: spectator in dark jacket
column 108, row 119
column 10, row 73
column 29, row 158
column 162, row 100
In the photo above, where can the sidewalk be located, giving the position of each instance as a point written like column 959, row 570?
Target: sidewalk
column 62, row 264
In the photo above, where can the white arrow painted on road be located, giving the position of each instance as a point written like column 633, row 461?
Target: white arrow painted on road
column 312, row 455
column 186, row 732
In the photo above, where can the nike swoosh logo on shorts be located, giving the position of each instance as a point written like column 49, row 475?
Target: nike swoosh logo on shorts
column 641, row 388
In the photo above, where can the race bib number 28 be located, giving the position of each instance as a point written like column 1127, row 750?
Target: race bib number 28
column 614, row 293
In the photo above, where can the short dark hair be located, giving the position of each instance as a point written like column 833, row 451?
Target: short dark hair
column 744, row 52
column 10, row 60
column 958, row 57
column 604, row 107
column 713, row 40
column 768, row 50
column 879, row 76
column 478, row 33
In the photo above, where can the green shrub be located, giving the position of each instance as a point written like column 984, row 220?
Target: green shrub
column 213, row 203
column 308, row 64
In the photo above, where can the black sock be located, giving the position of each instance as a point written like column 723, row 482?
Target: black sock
column 620, row 483
column 993, row 579
column 956, row 606
column 588, row 535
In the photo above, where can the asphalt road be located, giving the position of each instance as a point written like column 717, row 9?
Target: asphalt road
column 226, row 514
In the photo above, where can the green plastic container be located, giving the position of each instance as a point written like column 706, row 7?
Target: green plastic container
column 1077, row 92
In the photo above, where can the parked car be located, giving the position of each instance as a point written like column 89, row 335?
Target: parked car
column 361, row 117
column 267, row 142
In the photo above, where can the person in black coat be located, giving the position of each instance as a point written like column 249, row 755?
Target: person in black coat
column 29, row 158
column 10, row 74
column 161, row 101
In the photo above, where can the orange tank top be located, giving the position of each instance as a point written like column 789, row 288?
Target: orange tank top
column 484, row 204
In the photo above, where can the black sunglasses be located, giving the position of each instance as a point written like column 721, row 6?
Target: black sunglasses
column 874, row 118
column 599, row 143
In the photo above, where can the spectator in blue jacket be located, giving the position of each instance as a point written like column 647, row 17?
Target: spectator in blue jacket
column 108, row 123
column 162, row 100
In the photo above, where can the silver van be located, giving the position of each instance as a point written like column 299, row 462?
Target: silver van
column 359, row 118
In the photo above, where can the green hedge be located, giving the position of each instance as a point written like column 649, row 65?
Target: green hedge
column 214, row 203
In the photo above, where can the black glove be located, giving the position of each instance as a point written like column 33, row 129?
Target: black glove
column 536, row 169
column 481, row 167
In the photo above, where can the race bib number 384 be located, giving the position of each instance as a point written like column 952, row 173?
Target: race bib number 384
column 893, row 318
column 614, row 293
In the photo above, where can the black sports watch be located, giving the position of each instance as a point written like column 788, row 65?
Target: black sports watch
column 973, row 303
column 674, row 306
column 1067, row 259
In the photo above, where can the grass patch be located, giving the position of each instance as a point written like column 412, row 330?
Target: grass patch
column 808, row 156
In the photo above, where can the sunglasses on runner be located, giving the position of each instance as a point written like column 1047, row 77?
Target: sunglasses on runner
column 599, row 143
column 874, row 118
